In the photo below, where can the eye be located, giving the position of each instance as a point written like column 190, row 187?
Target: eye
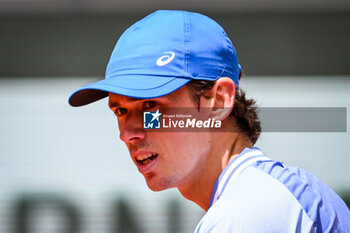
column 120, row 111
column 150, row 104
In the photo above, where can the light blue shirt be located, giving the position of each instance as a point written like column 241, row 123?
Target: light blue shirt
column 260, row 195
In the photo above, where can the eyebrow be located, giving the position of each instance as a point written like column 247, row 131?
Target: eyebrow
column 117, row 104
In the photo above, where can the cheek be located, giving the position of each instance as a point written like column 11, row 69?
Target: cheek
column 187, row 148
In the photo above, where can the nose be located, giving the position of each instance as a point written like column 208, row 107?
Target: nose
column 131, row 129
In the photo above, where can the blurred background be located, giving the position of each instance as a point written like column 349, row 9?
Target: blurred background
column 63, row 169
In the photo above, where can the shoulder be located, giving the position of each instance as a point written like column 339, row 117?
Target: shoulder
column 272, row 197
column 255, row 202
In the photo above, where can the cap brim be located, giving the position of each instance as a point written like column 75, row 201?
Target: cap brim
column 136, row 86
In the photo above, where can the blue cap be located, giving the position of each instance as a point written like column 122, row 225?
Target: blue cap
column 161, row 53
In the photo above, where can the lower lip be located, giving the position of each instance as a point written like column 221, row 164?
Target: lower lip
column 145, row 168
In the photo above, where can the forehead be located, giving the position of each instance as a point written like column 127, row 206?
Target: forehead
column 179, row 95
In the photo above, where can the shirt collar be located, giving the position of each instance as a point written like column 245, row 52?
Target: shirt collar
column 241, row 161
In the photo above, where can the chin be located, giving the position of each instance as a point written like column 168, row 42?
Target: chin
column 159, row 184
column 156, row 189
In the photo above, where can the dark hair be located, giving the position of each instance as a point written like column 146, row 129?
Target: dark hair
column 244, row 110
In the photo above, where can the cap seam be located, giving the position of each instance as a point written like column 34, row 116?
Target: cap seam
column 228, row 46
column 186, row 33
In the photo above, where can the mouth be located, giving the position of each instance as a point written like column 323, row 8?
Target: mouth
column 146, row 158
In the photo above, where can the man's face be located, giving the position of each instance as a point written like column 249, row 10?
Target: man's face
column 165, row 159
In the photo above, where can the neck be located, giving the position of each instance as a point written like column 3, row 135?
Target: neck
column 199, row 186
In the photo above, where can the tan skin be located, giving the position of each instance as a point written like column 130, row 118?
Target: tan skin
column 194, row 167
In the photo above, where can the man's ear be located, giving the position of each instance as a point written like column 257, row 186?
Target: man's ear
column 224, row 97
